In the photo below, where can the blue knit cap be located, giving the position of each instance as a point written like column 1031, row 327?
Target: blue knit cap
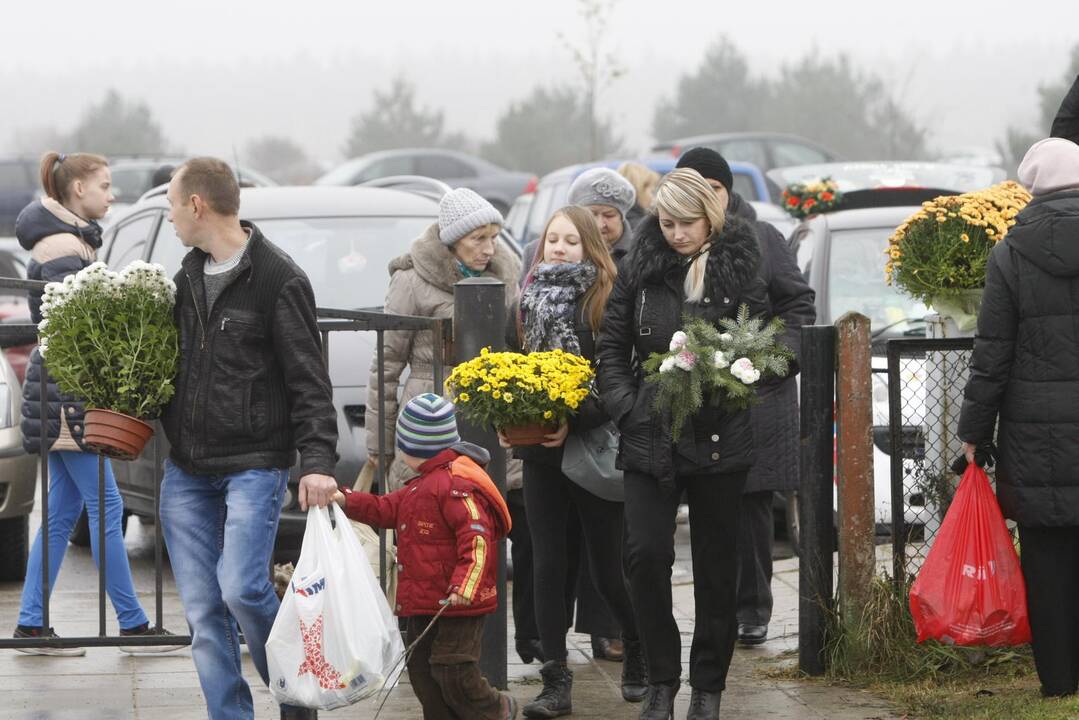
column 427, row 426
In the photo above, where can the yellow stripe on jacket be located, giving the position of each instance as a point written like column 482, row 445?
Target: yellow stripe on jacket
column 475, row 571
column 473, row 511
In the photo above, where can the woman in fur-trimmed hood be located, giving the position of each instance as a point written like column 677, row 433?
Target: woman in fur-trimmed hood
column 690, row 258
column 463, row 243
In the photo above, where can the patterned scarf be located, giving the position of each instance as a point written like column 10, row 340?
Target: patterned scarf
column 549, row 302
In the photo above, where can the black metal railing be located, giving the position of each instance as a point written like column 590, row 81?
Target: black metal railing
column 330, row 321
column 926, row 379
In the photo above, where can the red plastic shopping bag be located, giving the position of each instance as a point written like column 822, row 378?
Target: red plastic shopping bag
column 970, row 591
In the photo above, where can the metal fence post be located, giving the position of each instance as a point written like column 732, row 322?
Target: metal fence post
column 479, row 321
column 815, row 495
column 854, row 426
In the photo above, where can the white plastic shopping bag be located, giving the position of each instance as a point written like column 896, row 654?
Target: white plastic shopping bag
column 334, row 641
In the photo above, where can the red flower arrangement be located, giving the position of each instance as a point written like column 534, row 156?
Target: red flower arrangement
column 810, row 198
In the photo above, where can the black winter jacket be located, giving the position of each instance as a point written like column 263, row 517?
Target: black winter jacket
column 1066, row 122
column 643, row 312
column 775, row 418
column 60, row 244
column 252, row 386
column 1025, row 366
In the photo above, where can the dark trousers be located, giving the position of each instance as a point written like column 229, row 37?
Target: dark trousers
column 524, row 607
column 755, row 538
column 551, row 498
column 714, row 502
column 1050, row 560
column 445, row 670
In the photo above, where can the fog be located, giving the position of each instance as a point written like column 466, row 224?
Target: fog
column 217, row 74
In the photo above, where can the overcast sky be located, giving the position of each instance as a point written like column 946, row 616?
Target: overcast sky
column 217, row 74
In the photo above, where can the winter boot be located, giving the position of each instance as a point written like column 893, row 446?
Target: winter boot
column 659, row 702
column 634, row 672
column 554, row 700
column 704, row 705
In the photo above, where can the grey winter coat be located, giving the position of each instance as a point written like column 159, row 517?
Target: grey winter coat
column 1025, row 366
column 421, row 283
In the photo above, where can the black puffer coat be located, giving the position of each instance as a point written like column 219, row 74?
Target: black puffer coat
column 644, row 311
column 1025, row 365
column 60, row 244
column 775, row 419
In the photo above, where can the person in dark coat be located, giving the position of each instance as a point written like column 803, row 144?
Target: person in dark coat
column 62, row 235
column 775, row 418
column 1024, row 372
column 690, row 258
column 560, row 308
column 1066, row 122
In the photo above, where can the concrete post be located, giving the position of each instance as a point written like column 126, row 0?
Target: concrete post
column 854, row 421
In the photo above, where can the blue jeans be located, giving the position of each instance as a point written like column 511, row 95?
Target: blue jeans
column 220, row 532
column 73, row 484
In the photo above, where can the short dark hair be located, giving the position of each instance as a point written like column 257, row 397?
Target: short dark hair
column 213, row 181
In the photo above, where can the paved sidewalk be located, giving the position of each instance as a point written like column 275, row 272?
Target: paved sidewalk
column 108, row 685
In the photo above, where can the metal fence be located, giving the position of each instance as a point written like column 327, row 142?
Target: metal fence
column 330, row 321
column 926, row 379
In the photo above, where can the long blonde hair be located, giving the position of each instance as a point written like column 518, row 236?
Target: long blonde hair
column 643, row 179
column 687, row 197
column 594, row 250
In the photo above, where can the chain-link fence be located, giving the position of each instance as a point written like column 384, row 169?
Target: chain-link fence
column 926, row 379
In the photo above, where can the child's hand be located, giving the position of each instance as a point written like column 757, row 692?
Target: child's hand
column 339, row 498
column 456, row 600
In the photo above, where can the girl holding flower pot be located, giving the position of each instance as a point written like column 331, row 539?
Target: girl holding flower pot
column 561, row 308
column 62, row 234
column 690, row 259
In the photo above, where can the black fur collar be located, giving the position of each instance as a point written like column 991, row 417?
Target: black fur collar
column 732, row 263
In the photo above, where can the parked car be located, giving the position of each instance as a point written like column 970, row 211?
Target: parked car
column 133, row 176
column 457, row 169
column 532, row 210
column 843, row 254
column 344, row 239
column 14, row 305
column 18, row 480
column 19, row 184
column 766, row 150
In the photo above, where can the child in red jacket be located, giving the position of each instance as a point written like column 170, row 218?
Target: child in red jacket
column 448, row 521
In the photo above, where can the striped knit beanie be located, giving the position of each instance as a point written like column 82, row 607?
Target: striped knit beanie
column 427, row 426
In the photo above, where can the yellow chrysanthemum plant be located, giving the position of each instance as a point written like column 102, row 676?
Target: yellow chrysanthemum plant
column 939, row 254
column 509, row 389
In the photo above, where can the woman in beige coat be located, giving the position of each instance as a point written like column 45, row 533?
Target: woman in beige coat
column 463, row 243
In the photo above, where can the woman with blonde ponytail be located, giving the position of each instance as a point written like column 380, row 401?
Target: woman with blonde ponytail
column 690, row 259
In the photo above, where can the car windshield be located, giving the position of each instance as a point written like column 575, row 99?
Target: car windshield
column 344, row 257
column 870, row 175
column 856, row 283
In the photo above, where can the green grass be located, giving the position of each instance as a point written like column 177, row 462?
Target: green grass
column 931, row 681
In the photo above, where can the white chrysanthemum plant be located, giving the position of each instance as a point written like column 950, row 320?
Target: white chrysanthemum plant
column 109, row 339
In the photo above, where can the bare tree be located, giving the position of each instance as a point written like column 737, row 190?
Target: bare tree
column 596, row 63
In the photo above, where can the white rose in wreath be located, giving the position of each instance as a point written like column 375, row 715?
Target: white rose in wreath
column 743, row 369
column 667, row 365
column 678, row 341
column 721, row 360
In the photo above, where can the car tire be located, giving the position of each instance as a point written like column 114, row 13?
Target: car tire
column 15, row 541
column 80, row 534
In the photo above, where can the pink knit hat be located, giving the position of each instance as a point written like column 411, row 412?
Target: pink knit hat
column 1049, row 166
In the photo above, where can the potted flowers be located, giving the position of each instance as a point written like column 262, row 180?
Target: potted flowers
column 802, row 199
column 110, row 340
column 526, row 396
column 725, row 365
column 939, row 254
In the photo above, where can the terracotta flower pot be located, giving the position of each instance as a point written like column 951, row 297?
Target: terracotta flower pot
column 533, row 434
column 114, row 434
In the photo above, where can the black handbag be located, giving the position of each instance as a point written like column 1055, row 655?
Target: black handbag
column 588, row 459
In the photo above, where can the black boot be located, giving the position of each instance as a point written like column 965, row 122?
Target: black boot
column 529, row 650
column 554, row 700
column 704, row 705
column 634, row 672
column 659, row 701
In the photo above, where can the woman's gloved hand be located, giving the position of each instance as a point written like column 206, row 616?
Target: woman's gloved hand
column 983, row 455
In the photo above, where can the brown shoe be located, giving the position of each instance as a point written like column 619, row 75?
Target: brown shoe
column 607, row 649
